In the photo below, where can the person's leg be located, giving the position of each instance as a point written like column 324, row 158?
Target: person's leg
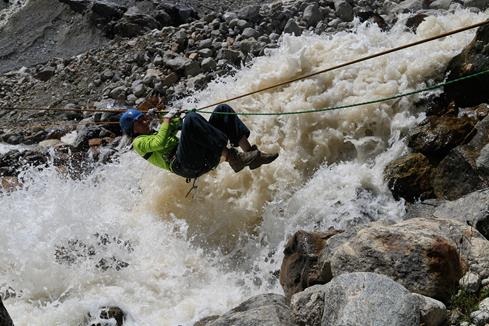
column 238, row 134
column 200, row 145
column 231, row 125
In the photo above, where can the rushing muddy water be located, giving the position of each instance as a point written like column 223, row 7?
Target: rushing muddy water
column 127, row 236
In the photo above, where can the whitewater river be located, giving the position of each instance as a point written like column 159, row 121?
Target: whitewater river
column 168, row 260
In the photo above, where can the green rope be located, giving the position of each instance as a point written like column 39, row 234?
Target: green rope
column 352, row 105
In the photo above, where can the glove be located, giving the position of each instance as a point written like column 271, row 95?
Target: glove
column 152, row 113
column 173, row 112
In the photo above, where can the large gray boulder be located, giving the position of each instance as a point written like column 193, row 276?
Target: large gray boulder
column 357, row 299
column 472, row 209
column 261, row 310
column 413, row 253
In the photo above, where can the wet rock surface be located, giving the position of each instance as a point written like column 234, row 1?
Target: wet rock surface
column 426, row 255
column 409, row 177
column 5, row 319
column 472, row 209
column 107, row 316
column 357, row 299
column 300, row 267
column 265, row 309
column 474, row 58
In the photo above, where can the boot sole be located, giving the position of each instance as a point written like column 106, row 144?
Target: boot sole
column 255, row 165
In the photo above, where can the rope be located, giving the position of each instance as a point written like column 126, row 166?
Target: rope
column 65, row 124
column 354, row 104
column 276, row 85
column 463, row 29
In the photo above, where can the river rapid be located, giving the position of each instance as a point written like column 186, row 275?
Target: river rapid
column 170, row 260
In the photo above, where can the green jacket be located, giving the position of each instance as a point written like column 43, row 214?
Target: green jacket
column 159, row 147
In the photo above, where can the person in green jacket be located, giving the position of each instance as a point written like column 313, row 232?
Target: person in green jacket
column 201, row 143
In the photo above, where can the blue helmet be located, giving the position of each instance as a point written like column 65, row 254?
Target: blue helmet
column 127, row 120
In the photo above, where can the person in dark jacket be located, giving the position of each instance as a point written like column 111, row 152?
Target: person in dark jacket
column 201, row 144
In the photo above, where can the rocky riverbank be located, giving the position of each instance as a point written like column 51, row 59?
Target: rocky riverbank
column 162, row 64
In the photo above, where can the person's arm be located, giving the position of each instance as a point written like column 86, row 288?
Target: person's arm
column 152, row 143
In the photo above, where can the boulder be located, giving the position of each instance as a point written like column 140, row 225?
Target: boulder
column 440, row 4
column 206, row 320
column 107, row 316
column 228, row 55
column 250, row 13
column 474, row 58
column 433, row 312
column 45, row 74
column 373, row 17
column 177, row 63
column 470, row 282
column 139, row 90
column 180, row 14
column 357, row 299
column 300, row 268
column 208, row 64
column 250, row 32
column 192, row 68
column 5, row 319
column 480, row 317
column 261, row 310
column 134, row 23
column 292, row 28
column 481, row 4
column 472, row 209
column 344, row 10
column 170, row 79
column 425, row 254
column 415, row 20
column 307, row 306
column 118, row 92
column 108, row 10
column 409, row 177
column 312, row 15
column 436, row 136
column 163, row 18
column 413, row 253
column 78, row 6
column 456, row 175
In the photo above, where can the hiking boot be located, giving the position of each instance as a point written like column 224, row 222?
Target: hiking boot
column 262, row 158
column 238, row 160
